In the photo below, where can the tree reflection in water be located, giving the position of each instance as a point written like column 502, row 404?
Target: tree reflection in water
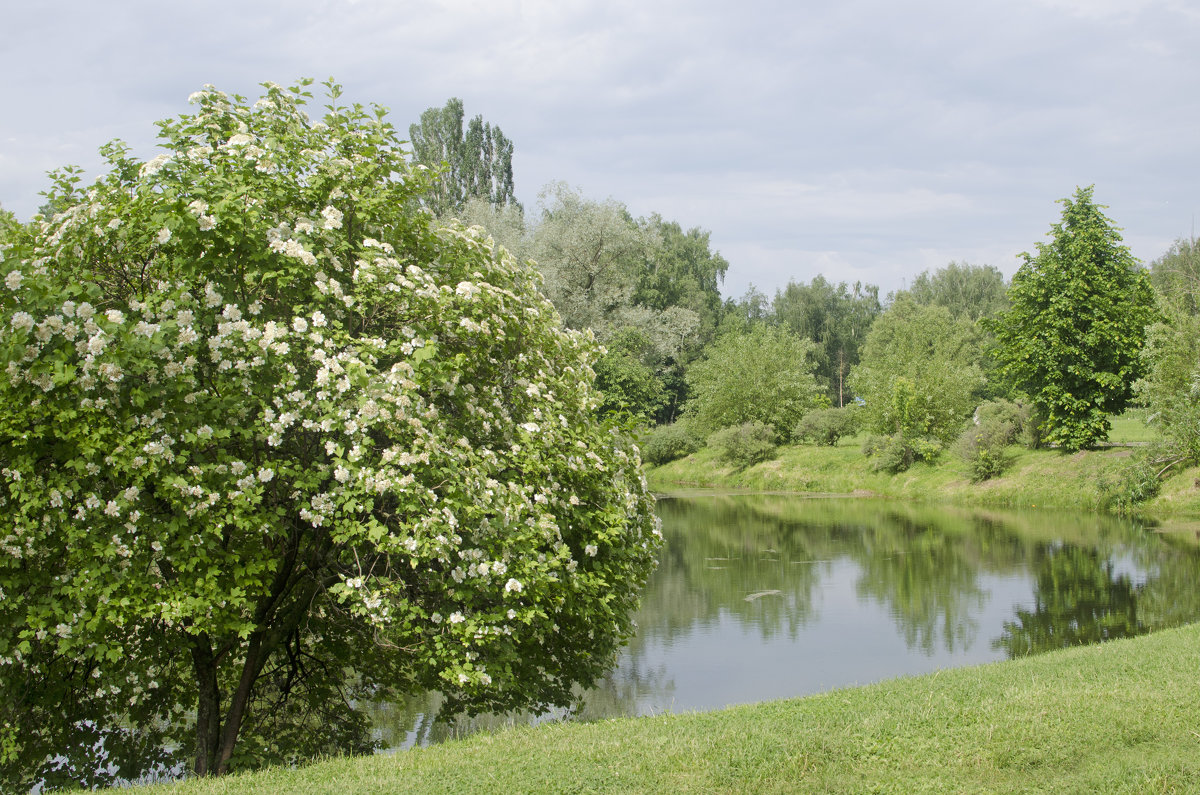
column 798, row 595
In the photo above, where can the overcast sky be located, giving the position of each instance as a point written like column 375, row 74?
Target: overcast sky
column 859, row 139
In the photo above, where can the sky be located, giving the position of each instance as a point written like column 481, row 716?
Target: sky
column 861, row 140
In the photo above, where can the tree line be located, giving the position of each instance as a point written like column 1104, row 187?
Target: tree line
column 959, row 360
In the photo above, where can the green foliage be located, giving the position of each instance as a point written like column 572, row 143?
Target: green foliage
column 591, row 255
column 627, row 379
column 897, row 452
column 919, row 375
column 983, row 443
column 763, row 374
column 970, row 291
column 1176, row 276
column 682, row 272
column 837, row 318
column 616, row 275
column 277, row 444
column 1171, row 387
column 1076, row 325
column 826, row 426
column 1138, row 482
column 505, row 223
column 744, row 445
column 475, row 162
column 669, row 443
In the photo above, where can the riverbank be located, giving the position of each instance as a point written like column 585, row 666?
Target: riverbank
column 1037, row 478
column 1115, row 718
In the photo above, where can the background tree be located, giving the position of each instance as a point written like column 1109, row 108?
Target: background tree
column 971, row 291
column 763, row 374
column 627, row 278
column 592, row 255
column 1176, row 275
column 505, row 223
column 837, row 318
column 975, row 292
column 683, row 272
column 475, row 161
column 278, row 445
column 1171, row 386
column 919, row 374
column 1078, row 318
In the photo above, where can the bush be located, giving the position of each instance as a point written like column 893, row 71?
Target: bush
column 826, row 426
column 897, row 452
column 983, row 443
column 668, row 443
column 984, row 453
column 745, row 444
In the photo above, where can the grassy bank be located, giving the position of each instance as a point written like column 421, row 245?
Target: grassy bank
column 1119, row 717
column 1044, row 478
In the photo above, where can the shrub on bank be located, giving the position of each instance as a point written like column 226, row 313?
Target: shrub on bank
column 668, row 443
column 744, row 445
column 898, row 452
column 827, row 426
column 984, row 443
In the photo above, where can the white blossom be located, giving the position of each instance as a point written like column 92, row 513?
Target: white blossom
column 151, row 167
column 333, row 218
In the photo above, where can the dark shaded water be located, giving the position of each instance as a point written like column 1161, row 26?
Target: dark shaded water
column 767, row 597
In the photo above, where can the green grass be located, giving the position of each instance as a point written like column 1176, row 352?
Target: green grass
column 1131, row 428
column 1122, row 717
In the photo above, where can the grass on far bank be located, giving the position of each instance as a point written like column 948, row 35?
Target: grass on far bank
column 1037, row 478
column 1121, row 717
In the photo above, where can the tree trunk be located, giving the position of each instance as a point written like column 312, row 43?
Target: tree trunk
column 208, row 706
column 241, row 697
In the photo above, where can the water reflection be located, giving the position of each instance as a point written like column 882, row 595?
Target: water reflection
column 769, row 597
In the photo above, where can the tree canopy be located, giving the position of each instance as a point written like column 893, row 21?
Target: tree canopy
column 919, row 374
column 837, row 318
column 1077, row 322
column 277, row 444
column 972, row 291
column 1176, row 275
column 763, row 374
column 472, row 162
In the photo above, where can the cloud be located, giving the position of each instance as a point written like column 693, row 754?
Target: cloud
column 864, row 136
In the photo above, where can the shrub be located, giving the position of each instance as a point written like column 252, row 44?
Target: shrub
column 897, row 452
column 983, row 443
column 745, row 444
column 985, row 454
column 668, row 443
column 826, row 426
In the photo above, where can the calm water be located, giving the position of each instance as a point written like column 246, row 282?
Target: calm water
column 764, row 597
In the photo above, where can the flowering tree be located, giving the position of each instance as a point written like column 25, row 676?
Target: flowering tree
column 275, row 443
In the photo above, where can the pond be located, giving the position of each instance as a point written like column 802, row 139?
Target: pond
column 766, row 597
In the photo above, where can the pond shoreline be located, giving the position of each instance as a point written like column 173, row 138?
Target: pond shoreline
column 1037, row 478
